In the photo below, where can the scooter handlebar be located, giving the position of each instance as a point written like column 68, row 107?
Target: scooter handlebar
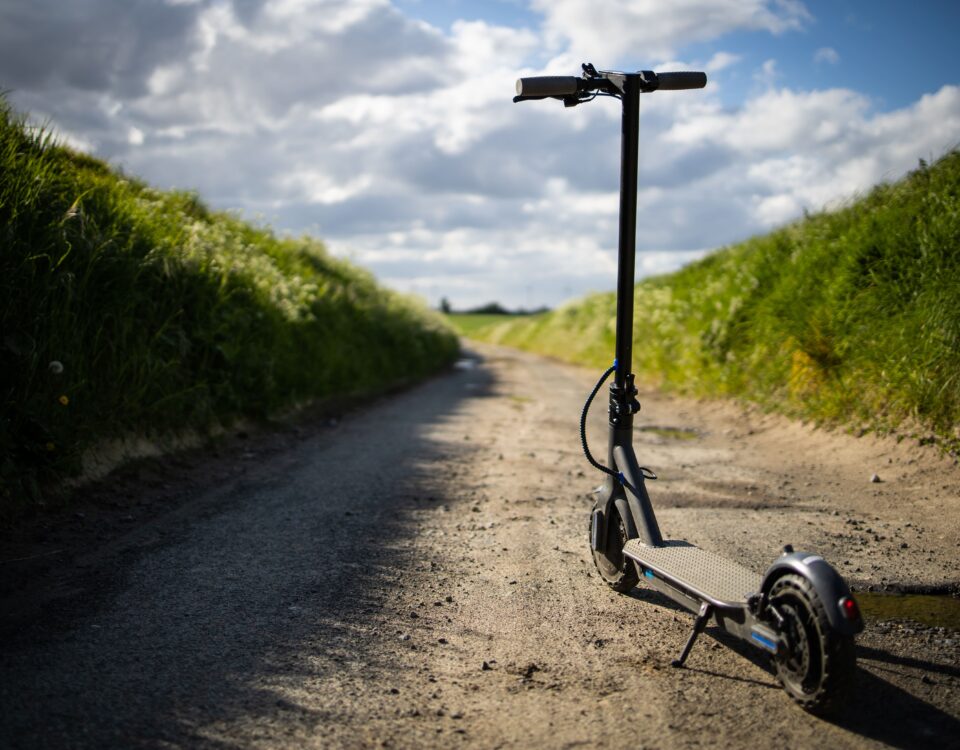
column 540, row 86
column 677, row 81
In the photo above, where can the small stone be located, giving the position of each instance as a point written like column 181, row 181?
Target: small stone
column 394, row 691
column 875, row 479
column 441, row 640
column 414, row 615
column 904, row 545
column 405, row 637
column 456, row 715
column 448, row 599
column 486, row 667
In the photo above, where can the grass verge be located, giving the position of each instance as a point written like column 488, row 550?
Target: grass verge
column 125, row 309
column 849, row 316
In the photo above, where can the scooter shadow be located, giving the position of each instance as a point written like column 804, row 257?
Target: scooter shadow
column 879, row 710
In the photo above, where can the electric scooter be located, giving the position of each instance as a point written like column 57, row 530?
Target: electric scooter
column 800, row 611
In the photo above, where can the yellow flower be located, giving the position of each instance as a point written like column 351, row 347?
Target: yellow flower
column 51, row 447
column 64, row 401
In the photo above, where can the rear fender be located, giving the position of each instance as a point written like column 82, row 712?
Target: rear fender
column 829, row 585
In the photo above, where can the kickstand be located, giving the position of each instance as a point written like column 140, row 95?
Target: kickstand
column 698, row 625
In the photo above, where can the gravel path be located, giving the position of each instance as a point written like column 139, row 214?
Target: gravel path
column 418, row 576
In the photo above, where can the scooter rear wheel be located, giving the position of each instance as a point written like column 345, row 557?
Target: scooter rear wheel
column 615, row 568
column 818, row 665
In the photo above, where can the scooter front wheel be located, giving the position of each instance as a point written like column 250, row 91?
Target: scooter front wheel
column 817, row 665
column 615, row 568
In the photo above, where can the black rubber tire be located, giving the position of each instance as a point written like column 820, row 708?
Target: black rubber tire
column 819, row 664
column 616, row 570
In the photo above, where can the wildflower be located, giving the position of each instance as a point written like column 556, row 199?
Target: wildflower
column 64, row 401
column 51, row 447
column 55, row 367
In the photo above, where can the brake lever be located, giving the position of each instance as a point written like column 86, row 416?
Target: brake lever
column 564, row 99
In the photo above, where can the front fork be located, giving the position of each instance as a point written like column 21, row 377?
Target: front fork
column 627, row 492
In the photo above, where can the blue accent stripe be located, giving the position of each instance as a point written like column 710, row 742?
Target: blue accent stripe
column 648, row 573
column 765, row 642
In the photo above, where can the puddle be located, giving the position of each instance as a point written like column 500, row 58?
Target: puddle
column 465, row 364
column 941, row 611
column 670, row 433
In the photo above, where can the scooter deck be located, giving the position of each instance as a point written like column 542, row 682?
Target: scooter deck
column 708, row 577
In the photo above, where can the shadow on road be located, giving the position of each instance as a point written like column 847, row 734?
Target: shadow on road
column 279, row 614
column 285, row 591
column 879, row 709
column 885, row 712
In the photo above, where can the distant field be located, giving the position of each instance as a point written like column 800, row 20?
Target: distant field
column 470, row 325
column 849, row 316
column 128, row 310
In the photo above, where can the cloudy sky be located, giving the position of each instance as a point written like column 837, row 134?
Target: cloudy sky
column 385, row 127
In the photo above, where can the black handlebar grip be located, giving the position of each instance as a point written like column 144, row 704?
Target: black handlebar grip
column 547, row 86
column 677, row 81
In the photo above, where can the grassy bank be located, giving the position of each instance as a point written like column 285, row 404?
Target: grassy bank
column 849, row 316
column 130, row 310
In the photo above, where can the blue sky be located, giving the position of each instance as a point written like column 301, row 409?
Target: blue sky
column 891, row 50
column 385, row 127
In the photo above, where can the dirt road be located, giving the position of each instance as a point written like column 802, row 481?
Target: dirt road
column 418, row 576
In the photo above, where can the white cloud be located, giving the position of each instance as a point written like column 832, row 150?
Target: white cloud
column 777, row 119
column 721, row 61
column 398, row 143
column 826, row 55
column 767, row 75
column 655, row 29
column 812, row 149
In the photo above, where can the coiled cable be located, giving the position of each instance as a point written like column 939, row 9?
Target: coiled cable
column 583, row 427
column 618, row 475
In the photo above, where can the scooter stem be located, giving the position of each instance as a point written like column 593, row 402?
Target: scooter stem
column 623, row 403
column 628, row 228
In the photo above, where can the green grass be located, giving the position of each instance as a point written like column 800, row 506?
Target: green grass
column 850, row 316
column 166, row 316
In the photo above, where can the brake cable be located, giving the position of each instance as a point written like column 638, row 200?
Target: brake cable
column 618, row 475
